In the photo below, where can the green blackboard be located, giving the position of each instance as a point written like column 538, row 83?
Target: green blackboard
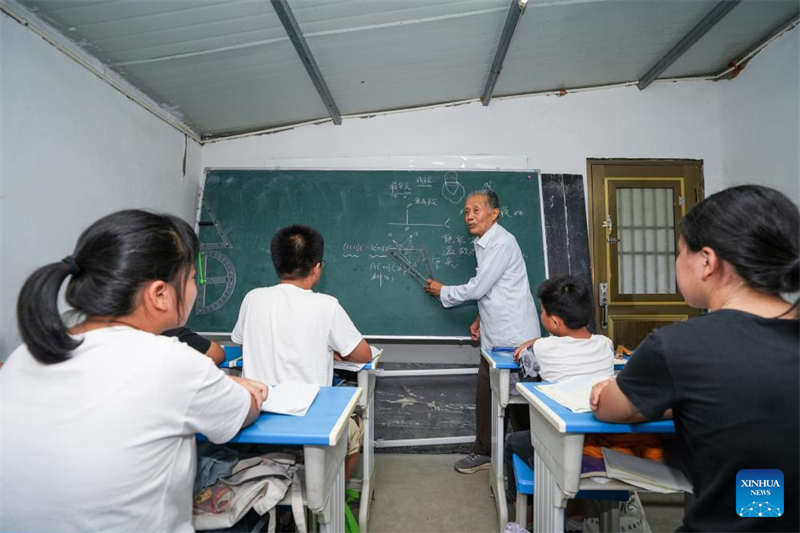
column 361, row 214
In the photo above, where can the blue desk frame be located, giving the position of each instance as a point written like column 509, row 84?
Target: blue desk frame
column 366, row 383
column 322, row 433
column 557, row 436
column 500, row 366
column 233, row 357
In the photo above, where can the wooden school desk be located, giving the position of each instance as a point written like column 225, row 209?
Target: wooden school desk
column 322, row 433
column 557, row 437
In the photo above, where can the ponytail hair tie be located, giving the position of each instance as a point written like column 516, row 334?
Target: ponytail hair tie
column 72, row 266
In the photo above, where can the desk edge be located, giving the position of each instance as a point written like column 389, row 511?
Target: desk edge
column 333, row 437
column 543, row 408
column 489, row 359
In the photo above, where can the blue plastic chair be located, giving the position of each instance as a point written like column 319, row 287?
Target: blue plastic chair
column 523, row 474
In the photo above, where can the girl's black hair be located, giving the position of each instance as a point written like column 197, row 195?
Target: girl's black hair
column 112, row 260
column 754, row 228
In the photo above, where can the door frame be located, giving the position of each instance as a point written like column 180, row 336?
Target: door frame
column 593, row 205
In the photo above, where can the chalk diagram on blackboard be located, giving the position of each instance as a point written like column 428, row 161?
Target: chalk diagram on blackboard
column 452, row 190
column 210, row 251
column 402, row 256
column 408, row 224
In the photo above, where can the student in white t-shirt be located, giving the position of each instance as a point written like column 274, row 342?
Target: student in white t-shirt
column 288, row 332
column 571, row 350
column 99, row 420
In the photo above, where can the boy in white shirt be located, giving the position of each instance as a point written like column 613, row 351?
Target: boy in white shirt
column 570, row 351
column 290, row 333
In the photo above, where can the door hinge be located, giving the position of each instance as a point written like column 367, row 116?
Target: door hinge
column 602, row 300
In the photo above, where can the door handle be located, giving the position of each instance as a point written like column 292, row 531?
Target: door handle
column 608, row 224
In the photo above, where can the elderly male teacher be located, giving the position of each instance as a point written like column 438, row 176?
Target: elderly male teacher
column 506, row 312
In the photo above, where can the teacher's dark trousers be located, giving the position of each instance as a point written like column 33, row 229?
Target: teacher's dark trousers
column 483, row 412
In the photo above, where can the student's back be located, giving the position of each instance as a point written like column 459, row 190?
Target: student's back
column 570, row 351
column 114, row 425
column 733, row 384
column 289, row 334
column 565, row 357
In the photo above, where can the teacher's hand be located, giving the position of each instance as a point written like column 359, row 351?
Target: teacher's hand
column 434, row 288
column 475, row 329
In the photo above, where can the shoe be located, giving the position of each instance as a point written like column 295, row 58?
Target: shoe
column 472, row 463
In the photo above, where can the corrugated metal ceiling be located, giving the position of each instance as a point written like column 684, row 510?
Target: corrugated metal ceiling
column 732, row 36
column 228, row 67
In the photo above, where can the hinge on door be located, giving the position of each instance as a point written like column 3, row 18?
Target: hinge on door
column 602, row 301
column 681, row 200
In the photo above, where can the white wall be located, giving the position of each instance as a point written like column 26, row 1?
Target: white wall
column 758, row 119
column 556, row 134
column 72, row 149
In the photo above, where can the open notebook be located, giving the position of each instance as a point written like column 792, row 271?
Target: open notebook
column 290, row 398
column 355, row 367
column 572, row 393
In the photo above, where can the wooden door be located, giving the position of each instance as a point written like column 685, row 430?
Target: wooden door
column 634, row 208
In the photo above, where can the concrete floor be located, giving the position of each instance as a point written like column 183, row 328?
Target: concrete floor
column 421, row 493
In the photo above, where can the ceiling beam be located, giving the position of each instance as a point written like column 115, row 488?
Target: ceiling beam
column 702, row 27
column 286, row 17
column 512, row 20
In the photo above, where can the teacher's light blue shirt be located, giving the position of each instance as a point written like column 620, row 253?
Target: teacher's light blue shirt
column 505, row 304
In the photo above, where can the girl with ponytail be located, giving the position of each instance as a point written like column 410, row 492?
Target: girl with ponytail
column 99, row 419
column 730, row 378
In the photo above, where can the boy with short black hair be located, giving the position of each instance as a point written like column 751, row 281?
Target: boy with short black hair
column 570, row 351
column 288, row 332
